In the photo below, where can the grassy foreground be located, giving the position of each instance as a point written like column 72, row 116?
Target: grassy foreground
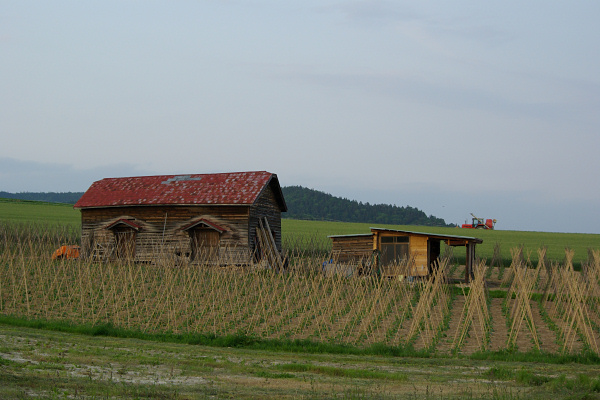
column 56, row 365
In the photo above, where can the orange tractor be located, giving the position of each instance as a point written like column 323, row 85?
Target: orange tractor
column 478, row 223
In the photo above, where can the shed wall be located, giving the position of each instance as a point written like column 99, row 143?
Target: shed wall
column 418, row 251
column 266, row 206
column 160, row 234
column 352, row 248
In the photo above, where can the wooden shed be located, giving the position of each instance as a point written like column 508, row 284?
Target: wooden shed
column 181, row 217
column 383, row 248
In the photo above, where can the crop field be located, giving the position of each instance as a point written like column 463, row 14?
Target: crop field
column 534, row 305
column 551, row 308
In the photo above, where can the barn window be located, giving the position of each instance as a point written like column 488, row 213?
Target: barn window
column 205, row 237
column 394, row 249
column 125, row 232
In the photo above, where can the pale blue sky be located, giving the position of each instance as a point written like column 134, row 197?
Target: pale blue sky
column 451, row 107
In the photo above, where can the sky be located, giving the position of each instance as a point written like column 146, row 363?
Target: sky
column 491, row 108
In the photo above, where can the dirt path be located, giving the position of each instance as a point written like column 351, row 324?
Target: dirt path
column 426, row 337
column 524, row 337
column 444, row 346
column 546, row 335
column 575, row 345
column 499, row 334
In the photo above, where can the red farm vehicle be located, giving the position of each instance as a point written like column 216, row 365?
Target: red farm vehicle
column 478, row 223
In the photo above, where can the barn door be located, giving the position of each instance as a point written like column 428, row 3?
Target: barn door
column 124, row 242
column 204, row 244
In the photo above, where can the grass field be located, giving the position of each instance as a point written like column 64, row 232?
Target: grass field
column 38, row 212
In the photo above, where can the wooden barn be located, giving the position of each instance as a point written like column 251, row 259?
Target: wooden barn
column 216, row 218
column 386, row 248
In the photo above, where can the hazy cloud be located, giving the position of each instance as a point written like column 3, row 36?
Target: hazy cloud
column 375, row 12
column 31, row 176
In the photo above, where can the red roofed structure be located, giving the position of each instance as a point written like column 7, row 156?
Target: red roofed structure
column 180, row 216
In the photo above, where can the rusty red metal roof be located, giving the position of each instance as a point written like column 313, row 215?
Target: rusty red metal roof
column 235, row 188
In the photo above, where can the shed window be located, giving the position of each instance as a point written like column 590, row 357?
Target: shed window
column 394, row 249
column 394, row 239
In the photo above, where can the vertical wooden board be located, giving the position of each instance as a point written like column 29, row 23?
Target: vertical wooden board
column 418, row 250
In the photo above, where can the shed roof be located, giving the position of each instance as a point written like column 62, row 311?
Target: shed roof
column 431, row 235
column 234, row 188
column 450, row 238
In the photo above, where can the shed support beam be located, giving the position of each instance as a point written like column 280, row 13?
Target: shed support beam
column 470, row 259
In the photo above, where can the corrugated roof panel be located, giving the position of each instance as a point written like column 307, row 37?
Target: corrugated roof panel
column 434, row 235
column 224, row 189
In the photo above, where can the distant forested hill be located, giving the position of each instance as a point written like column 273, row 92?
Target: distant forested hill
column 51, row 197
column 311, row 204
column 302, row 203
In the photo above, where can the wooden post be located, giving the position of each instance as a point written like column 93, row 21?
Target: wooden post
column 469, row 261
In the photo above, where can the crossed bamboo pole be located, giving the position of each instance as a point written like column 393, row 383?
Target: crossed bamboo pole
column 475, row 315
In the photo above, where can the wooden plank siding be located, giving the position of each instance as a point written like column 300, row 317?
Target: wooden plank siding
column 197, row 218
column 161, row 233
column 266, row 206
column 423, row 249
column 352, row 248
column 418, row 252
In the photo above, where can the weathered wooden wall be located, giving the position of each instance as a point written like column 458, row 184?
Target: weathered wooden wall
column 265, row 207
column 161, row 233
column 352, row 248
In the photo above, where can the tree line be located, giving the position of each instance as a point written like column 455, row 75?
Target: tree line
column 304, row 203
column 50, row 197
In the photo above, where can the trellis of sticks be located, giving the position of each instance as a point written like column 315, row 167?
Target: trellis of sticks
column 301, row 301
column 433, row 306
column 475, row 316
column 523, row 282
column 574, row 297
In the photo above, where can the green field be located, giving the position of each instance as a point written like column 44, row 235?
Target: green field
column 314, row 233
column 24, row 211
